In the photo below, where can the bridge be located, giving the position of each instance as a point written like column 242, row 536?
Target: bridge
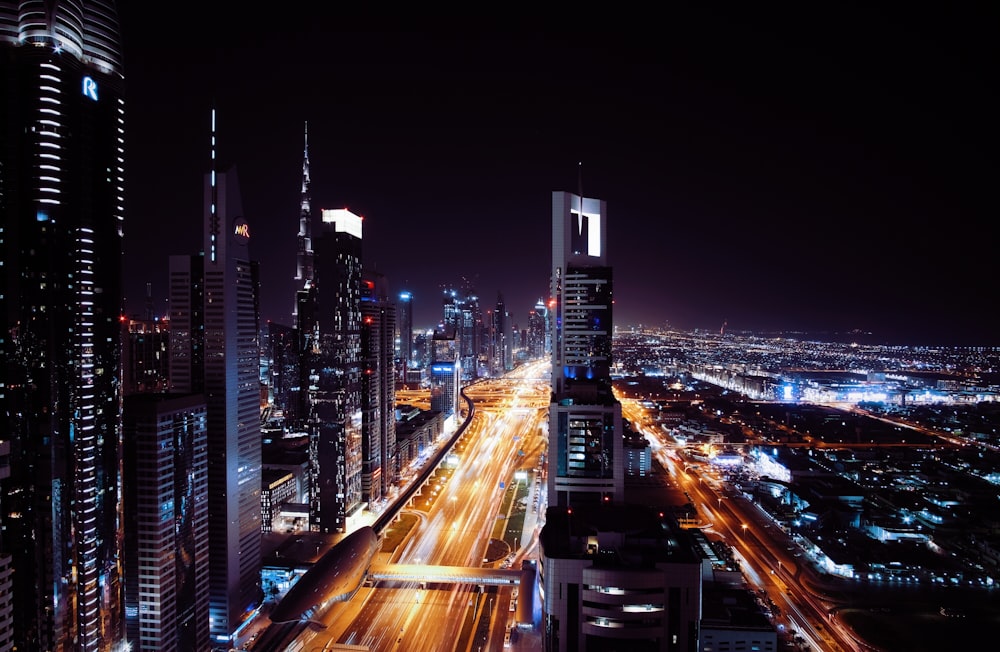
column 450, row 575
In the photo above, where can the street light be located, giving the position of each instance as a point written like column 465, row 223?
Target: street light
column 744, row 526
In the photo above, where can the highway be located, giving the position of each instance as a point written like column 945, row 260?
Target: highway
column 456, row 520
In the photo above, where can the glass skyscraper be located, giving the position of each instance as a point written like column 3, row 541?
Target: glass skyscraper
column 214, row 350
column 585, row 419
column 62, row 164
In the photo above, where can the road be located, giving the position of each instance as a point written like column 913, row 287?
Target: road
column 771, row 561
column 457, row 518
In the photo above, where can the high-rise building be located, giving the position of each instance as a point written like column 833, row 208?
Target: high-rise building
column 284, row 376
column 446, row 374
column 585, row 420
column 611, row 571
column 404, row 344
column 214, row 350
column 332, row 367
column 145, row 355
column 304, row 253
column 537, row 335
column 62, row 164
column 378, row 389
column 165, row 506
column 501, row 360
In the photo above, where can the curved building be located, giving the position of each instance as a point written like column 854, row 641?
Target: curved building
column 61, row 200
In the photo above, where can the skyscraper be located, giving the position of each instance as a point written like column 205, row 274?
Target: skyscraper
column 304, row 255
column 500, row 344
column 61, row 198
column 213, row 304
column 585, row 420
column 405, row 339
column 378, row 388
column 166, row 516
column 615, row 575
column 332, row 366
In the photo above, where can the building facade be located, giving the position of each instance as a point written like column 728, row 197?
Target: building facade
column 62, row 165
column 215, row 351
column 586, row 462
column 330, row 315
column 165, row 503
column 618, row 576
column 378, row 389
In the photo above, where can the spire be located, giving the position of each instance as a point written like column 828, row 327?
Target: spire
column 304, row 258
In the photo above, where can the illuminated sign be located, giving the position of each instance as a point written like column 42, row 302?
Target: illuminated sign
column 90, row 88
column 241, row 230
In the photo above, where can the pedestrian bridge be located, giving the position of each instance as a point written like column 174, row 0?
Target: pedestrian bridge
column 449, row 574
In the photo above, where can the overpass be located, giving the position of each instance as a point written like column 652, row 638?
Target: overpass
column 450, row 575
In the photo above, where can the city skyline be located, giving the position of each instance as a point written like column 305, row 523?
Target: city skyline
column 794, row 172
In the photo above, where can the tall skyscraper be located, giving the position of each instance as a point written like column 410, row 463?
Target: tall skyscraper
column 405, row 338
column 615, row 575
column 213, row 303
column 304, row 255
column 446, row 374
column 62, row 165
column 165, row 505
column 585, row 420
column 501, row 360
column 378, row 388
column 333, row 369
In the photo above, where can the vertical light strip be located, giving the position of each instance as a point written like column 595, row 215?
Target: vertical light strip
column 213, row 210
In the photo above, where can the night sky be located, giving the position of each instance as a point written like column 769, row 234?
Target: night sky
column 814, row 172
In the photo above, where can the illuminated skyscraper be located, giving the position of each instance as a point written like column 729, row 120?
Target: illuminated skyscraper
column 614, row 575
column 332, row 367
column 405, row 339
column 62, row 165
column 304, row 256
column 585, row 420
column 501, row 352
column 214, row 350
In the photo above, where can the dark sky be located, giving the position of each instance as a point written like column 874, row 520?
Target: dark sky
column 806, row 171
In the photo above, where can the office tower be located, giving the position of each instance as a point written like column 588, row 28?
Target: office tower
column 62, row 165
column 378, row 388
column 446, row 374
column 284, row 376
column 585, row 422
column 304, row 256
column 405, row 339
column 537, row 331
column 145, row 355
column 450, row 313
column 332, row 364
column 500, row 358
column 214, row 350
column 165, row 505
column 612, row 572
column 470, row 331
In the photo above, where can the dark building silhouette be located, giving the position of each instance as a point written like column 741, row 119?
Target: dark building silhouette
column 145, row 355
column 165, row 506
column 62, row 165
column 330, row 325
column 378, row 389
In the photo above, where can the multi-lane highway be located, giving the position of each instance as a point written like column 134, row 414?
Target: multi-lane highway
column 507, row 433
